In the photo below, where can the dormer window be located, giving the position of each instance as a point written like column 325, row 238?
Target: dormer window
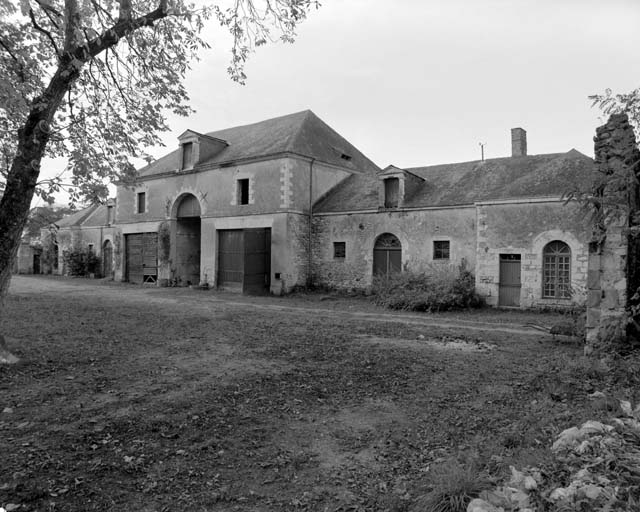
column 187, row 155
column 396, row 187
column 197, row 148
column 391, row 192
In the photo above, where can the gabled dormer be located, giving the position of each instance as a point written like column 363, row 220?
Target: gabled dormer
column 196, row 147
column 395, row 185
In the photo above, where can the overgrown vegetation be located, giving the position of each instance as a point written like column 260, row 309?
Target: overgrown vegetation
column 81, row 262
column 438, row 288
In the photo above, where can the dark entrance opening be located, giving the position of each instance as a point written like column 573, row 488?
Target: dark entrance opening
column 188, row 229
column 244, row 260
column 387, row 255
column 36, row 263
column 509, row 283
column 107, row 258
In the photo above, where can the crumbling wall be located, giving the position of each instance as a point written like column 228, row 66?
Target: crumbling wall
column 614, row 253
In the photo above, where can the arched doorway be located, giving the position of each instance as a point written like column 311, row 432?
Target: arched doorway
column 188, row 226
column 107, row 258
column 387, row 255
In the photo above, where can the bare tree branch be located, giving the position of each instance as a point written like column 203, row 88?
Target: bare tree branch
column 44, row 31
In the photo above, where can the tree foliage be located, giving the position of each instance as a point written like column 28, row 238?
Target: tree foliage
column 131, row 57
column 620, row 103
column 43, row 216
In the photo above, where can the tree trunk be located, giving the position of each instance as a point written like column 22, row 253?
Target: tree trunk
column 22, row 178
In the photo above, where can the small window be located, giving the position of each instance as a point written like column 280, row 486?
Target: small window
column 142, row 199
column 339, row 250
column 187, row 155
column 91, row 248
column 243, row 191
column 346, row 157
column 441, row 250
column 391, row 192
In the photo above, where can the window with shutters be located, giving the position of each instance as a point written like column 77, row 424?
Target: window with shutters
column 391, row 192
column 187, row 155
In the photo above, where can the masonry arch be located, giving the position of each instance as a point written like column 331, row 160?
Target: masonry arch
column 187, row 235
column 387, row 255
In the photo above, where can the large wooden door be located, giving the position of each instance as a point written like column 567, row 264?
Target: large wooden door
column 142, row 257
column 509, row 284
column 244, row 259
column 387, row 255
column 230, row 258
column 257, row 260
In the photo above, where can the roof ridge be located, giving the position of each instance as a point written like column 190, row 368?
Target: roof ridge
column 291, row 144
column 500, row 158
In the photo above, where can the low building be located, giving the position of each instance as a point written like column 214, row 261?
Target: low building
column 288, row 202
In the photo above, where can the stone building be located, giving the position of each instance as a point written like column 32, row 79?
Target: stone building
column 28, row 258
column 91, row 229
column 288, row 202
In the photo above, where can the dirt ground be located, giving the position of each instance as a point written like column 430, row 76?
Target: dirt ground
column 161, row 399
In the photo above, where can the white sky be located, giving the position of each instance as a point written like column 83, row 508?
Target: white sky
column 421, row 82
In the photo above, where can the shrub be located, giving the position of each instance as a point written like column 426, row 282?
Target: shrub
column 439, row 288
column 81, row 262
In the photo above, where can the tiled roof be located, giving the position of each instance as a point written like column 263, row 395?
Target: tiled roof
column 302, row 133
column 77, row 218
column 469, row 182
column 92, row 216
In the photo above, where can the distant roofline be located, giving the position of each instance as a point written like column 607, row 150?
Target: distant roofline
column 501, row 158
column 475, row 204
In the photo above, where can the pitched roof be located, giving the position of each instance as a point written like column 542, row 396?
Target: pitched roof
column 302, row 133
column 77, row 218
column 469, row 182
column 92, row 216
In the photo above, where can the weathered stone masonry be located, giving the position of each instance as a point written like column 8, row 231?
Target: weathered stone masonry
column 614, row 253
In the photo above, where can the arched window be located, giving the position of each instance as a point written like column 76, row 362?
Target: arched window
column 387, row 255
column 556, row 271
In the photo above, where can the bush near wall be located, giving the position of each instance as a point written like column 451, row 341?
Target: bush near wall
column 81, row 262
column 438, row 288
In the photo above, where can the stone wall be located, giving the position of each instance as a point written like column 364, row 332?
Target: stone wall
column 525, row 228
column 614, row 256
column 416, row 230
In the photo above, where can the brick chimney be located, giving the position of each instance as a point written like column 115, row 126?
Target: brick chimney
column 518, row 142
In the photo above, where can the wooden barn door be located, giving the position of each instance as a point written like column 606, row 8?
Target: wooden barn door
column 509, row 284
column 257, row 260
column 230, row 258
column 142, row 257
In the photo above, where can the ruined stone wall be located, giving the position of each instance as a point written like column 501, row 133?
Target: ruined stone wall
column 614, row 256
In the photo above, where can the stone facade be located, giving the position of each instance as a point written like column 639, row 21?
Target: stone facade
column 417, row 230
column 525, row 228
column 325, row 207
